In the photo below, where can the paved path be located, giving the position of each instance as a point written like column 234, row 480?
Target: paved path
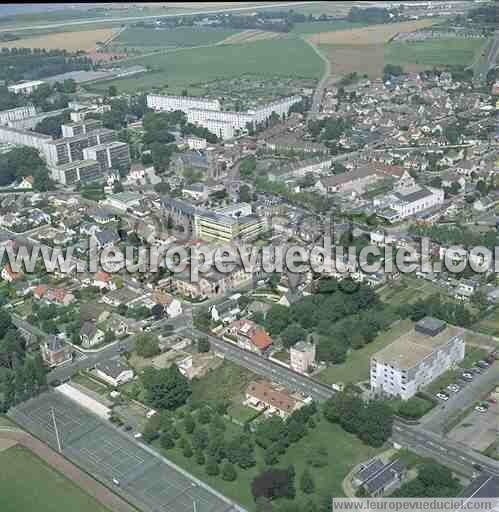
column 98, row 491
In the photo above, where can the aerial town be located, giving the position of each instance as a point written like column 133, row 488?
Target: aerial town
column 365, row 130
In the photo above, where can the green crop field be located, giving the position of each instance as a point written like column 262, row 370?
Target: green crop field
column 450, row 52
column 182, row 36
column 27, row 484
column 184, row 68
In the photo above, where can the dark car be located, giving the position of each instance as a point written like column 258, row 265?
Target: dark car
column 477, row 467
column 55, row 383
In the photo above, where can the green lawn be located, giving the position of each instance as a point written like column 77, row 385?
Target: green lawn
column 357, row 366
column 344, row 452
column 451, row 52
column 6, row 422
column 91, row 384
column 448, row 377
column 490, row 324
column 27, row 484
column 324, row 26
column 182, row 36
column 241, row 413
column 227, row 382
column 289, row 56
column 408, row 290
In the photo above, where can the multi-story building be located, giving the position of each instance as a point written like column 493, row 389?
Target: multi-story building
column 184, row 103
column 74, row 172
column 16, row 114
column 302, row 356
column 35, row 140
column 111, row 155
column 75, row 129
column 208, row 113
column 62, row 151
column 25, row 87
column 209, row 225
column 416, row 358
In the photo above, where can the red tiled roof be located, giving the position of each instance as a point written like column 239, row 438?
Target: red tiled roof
column 103, row 276
column 261, row 339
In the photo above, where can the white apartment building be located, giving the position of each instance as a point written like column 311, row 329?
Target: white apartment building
column 35, row 140
column 196, row 142
column 302, row 356
column 208, row 113
column 73, row 172
column 16, row 114
column 184, row 103
column 84, row 127
column 25, row 87
column 111, row 155
column 416, row 358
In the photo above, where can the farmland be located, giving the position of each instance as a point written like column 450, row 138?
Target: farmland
column 182, row 36
column 249, row 36
column 27, row 483
column 79, row 40
column 323, row 26
column 186, row 68
column 450, row 52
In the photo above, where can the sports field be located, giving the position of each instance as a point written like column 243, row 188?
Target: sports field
column 182, row 36
column 27, row 484
column 289, row 56
column 455, row 51
column 145, row 480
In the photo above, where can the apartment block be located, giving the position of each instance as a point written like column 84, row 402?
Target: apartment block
column 25, row 87
column 416, row 358
column 184, row 103
column 82, row 128
column 71, row 173
column 16, row 114
column 112, row 155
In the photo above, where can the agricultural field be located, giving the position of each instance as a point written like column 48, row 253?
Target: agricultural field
column 456, row 51
column 79, row 40
column 357, row 366
column 360, row 49
column 178, row 37
column 187, row 68
column 28, row 484
column 316, row 27
column 249, row 36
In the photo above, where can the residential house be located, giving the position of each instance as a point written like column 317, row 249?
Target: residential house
column 9, row 275
column 114, row 371
column 101, row 216
column 120, row 296
column 105, row 238
column 90, row 335
column 104, row 281
column 465, row 290
column 378, row 478
column 55, row 351
column 59, row 296
column 249, row 336
column 302, row 356
column 171, row 305
column 227, row 311
column 262, row 395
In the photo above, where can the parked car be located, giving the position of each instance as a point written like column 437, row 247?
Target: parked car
column 483, row 364
column 453, row 387
column 443, row 396
column 138, row 435
column 481, row 408
column 467, row 376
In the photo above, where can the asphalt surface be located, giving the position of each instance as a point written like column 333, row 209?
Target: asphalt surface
column 139, row 18
column 470, row 393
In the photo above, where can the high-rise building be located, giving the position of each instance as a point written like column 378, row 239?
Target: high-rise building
column 73, row 172
column 16, row 114
column 84, row 127
column 112, row 155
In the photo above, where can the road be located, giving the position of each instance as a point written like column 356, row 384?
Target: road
column 473, row 391
column 139, row 18
column 319, row 90
column 484, row 65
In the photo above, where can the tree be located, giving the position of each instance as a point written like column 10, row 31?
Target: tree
column 200, row 458
column 204, row 415
column 112, row 91
column 151, row 429
column 317, row 457
column 166, row 441
column 306, row 482
column 272, row 484
column 228, row 472
column 245, row 195
column 277, row 319
column 117, row 187
column 147, row 345
column 292, row 334
column 189, row 423
column 211, row 467
column 166, row 388
column 203, row 345
column 187, row 450
column 200, row 439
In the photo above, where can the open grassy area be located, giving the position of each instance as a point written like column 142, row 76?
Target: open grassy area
column 448, row 377
column 89, row 383
column 241, row 413
column 6, row 422
column 181, row 36
column 227, row 382
column 443, row 52
column 324, row 26
column 27, row 484
column 408, row 290
column 344, row 452
column 490, row 324
column 289, row 56
column 357, row 366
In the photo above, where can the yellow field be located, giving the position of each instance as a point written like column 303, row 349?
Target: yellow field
column 71, row 41
column 250, row 36
column 375, row 34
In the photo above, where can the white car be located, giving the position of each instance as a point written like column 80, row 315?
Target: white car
column 116, row 482
column 453, row 387
column 138, row 435
column 443, row 396
column 480, row 408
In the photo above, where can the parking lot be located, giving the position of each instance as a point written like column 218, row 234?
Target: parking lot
column 470, row 393
column 132, row 470
column 478, row 430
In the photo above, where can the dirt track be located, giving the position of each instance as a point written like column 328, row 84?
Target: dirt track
column 103, row 495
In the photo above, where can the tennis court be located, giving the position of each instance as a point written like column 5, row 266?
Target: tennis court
column 145, row 479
